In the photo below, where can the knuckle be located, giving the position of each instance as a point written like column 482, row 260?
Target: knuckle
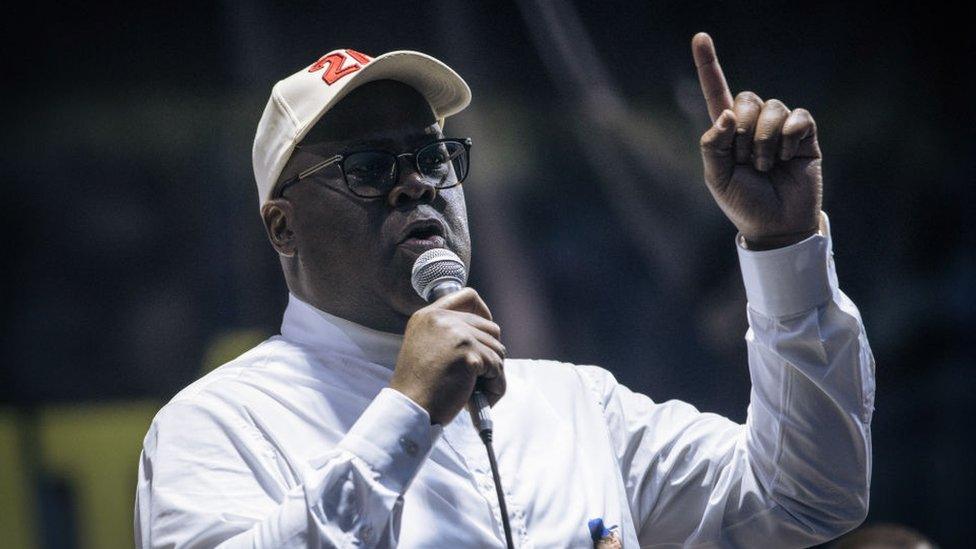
column 748, row 97
column 707, row 142
column 808, row 118
column 794, row 129
column 474, row 361
column 800, row 121
column 775, row 105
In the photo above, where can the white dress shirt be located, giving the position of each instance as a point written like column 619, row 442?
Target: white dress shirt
column 299, row 442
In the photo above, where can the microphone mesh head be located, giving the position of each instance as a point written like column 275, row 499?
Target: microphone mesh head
column 436, row 265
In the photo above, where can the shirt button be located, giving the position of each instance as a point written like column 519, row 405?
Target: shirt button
column 366, row 533
column 409, row 446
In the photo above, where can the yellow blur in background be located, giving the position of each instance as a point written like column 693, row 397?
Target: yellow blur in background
column 93, row 449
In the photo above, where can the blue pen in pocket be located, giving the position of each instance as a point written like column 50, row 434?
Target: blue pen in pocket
column 603, row 537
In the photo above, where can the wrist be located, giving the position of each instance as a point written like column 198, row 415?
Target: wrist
column 413, row 396
column 393, row 436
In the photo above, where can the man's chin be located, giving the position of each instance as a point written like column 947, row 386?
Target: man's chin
column 400, row 293
column 406, row 304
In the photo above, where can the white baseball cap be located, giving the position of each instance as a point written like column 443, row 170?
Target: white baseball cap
column 299, row 101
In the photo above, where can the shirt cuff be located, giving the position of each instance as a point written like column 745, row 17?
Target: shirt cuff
column 789, row 280
column 393, row 436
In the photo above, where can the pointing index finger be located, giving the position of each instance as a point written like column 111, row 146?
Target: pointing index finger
column 710, row 75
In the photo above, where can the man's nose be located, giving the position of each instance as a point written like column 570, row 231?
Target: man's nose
column 412, row 186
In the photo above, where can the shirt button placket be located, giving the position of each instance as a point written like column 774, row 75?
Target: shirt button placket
column 487, row 486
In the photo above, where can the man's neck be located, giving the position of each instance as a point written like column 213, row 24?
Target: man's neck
column 368, row 313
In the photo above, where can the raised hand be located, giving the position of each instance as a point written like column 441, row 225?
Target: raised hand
column 762, row 160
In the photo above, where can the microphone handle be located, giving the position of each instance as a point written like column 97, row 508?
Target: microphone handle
column 481, row 412
column 442, row 289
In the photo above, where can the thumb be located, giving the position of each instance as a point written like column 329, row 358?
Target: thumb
column 716, row 149
column 466, row 300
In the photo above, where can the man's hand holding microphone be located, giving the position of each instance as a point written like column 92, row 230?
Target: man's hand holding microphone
column 447, row 347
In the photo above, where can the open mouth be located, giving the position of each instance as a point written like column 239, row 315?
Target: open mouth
column 424, row 234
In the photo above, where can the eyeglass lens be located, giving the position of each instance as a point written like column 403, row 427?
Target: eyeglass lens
column 374, row 173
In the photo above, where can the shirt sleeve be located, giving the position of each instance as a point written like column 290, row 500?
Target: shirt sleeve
column 798, row 472
column 202, row 482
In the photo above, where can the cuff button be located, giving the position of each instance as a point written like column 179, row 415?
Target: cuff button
column 409, row 446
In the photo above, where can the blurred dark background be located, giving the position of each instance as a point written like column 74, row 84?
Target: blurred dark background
column 135, row 257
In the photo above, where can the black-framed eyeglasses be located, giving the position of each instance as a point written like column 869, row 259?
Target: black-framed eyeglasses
column 373, row 173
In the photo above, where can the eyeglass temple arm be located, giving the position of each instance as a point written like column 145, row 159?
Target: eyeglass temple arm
column 319, row 166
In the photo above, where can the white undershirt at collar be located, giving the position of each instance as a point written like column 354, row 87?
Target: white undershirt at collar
column 313, row 327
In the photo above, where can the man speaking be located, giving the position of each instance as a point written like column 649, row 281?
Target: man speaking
column 350, row 429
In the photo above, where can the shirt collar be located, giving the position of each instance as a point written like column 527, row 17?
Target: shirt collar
column 307, row 325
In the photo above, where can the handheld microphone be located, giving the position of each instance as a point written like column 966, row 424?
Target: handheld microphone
column 436, row 273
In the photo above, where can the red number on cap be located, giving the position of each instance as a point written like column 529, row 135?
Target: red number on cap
column 335, row 62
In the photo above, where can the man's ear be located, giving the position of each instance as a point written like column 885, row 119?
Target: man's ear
column 278, row 216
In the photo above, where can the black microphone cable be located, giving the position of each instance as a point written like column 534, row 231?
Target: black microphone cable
column 485, row 428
